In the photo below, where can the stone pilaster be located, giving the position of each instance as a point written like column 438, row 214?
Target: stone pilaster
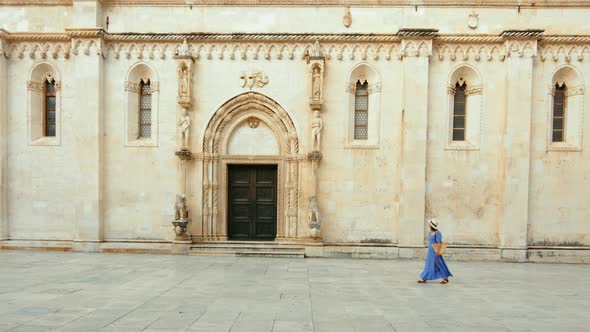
column 87, row 119
column 316, row 62
column 521, row 48
column 3, row 143
column 416, row 51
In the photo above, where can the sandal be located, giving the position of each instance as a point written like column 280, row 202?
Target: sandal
column 445, row 281
column 422, row 281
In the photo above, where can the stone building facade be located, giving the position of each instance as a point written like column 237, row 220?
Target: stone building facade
column 337, row 129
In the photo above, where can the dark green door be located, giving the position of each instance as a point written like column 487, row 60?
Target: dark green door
column 252, row 210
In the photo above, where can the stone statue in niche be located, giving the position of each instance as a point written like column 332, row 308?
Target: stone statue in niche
column 180, row 207
column 184, row 82
column 184, row 123
column 316, row 83
column 316, row 131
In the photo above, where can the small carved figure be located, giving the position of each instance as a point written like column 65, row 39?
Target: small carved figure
column 347, row 19
column 316, row 131
column 184, row 51
column 316, row 83
column 185, row 128
column 317, row 52
column 314, row 211
column 180, row 207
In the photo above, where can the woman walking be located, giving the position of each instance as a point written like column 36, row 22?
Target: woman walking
column 435, row 267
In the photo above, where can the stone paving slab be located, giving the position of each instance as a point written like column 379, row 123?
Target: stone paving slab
column 66, row 292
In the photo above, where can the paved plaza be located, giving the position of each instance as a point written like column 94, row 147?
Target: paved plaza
column 43, row 291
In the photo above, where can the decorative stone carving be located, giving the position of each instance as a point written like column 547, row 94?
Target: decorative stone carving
column 317, row 51
column 316, row 131
column 253, row 79
column 181, row 218
column 347, row 19
column 253, row 122
column 180, row 207
column 184, row 125
column 184, row 50
column 473, row 21
column 314, row 220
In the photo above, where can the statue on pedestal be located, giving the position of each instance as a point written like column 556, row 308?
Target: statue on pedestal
column 181, row 219
column 316, row 131
column 184, row 123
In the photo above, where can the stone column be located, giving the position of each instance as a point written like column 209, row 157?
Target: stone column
column 87, row 118
column 415, row 52
column 3, row 144
column 316, row 62
column 521, row 48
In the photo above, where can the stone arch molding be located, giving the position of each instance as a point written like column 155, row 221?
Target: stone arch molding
column 469, row 75
column 255, row 109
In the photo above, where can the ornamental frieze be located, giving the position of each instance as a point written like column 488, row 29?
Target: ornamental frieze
column 335, row 47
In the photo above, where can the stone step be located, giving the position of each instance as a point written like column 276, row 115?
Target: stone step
column 260, row 249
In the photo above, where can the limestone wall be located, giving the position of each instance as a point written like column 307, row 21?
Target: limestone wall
column 506, row 188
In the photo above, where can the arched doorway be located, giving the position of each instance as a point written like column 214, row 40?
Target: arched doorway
column 249, row 129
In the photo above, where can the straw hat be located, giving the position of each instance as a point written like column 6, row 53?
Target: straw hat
column 433, row 224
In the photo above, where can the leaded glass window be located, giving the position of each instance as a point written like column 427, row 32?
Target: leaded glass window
column 459, row 105
column 145, row 110
column 361, row 110
column 49, row 118
column 558, row 127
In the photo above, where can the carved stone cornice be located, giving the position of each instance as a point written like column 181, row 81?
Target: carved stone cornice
column 353, row 47
column 417, row 33
column 527, row 34
column 86, row 33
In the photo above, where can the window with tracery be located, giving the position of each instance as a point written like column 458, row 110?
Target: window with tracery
column 459, row 109
column 50, row 114
column 145, row 110
column 558, row 119
column 361, row 111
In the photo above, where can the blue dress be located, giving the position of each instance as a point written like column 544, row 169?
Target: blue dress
column 435, row 267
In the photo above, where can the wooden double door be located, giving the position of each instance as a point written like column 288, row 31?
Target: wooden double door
column 252, row 202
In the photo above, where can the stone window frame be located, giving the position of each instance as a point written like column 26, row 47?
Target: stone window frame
column 573, row 111
column 36, row 97
column 364, row 72
column 469, row 75
column 140, row 72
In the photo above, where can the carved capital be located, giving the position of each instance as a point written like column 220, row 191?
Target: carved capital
column 374, row 88
column 133, row 87
column 476, row 90
column 314, row 156
column 574, row 91
column 35, row 86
